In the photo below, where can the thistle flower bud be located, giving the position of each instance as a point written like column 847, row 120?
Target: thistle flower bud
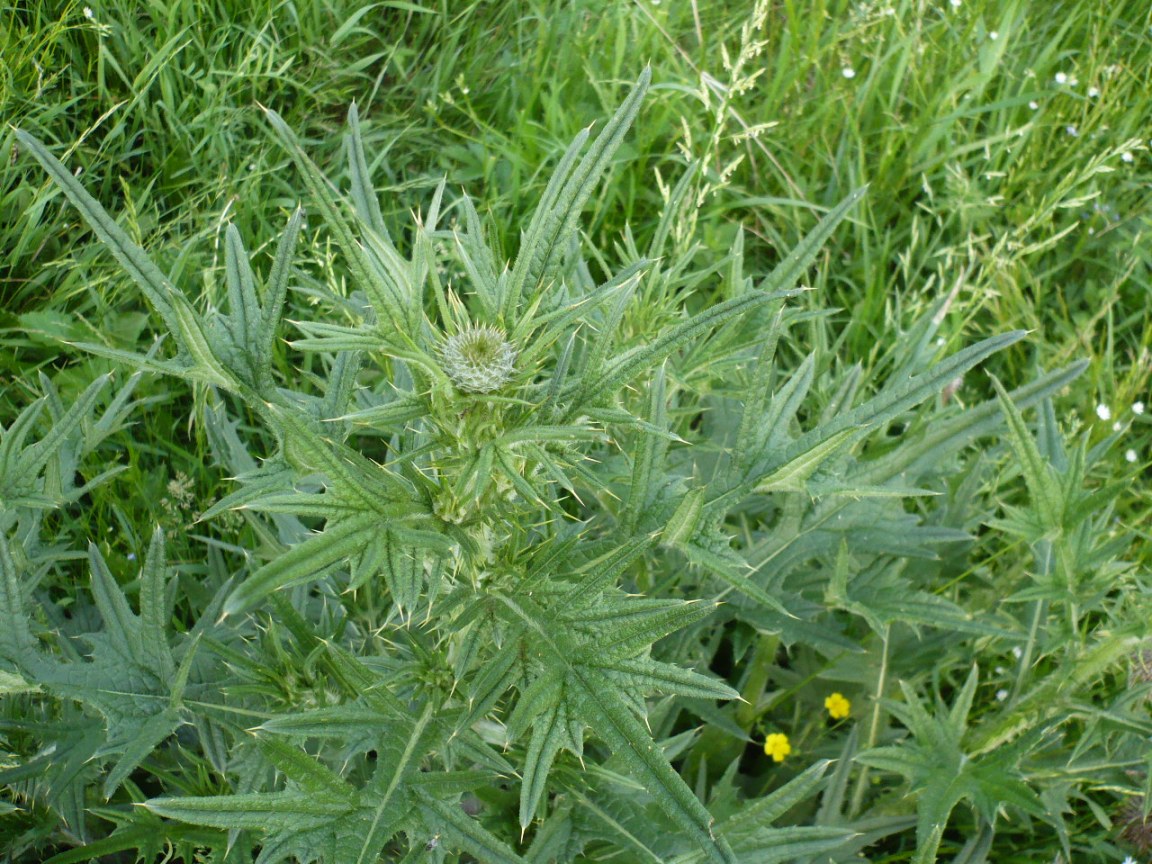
column 478, row 359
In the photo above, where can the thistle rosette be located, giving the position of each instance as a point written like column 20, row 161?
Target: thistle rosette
column 478, row 359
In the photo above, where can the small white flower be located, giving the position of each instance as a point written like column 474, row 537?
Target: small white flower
column 1017, row 651
column 848, row 72
column 1103, row 412
column 1073, row 131
column 1137, row 407
column 1130, row 455
column 993, row 35
column 1001, row 695
column 1061, row 78
column 1033, row 104
column 1117, row 426
column 1093, row 92
column 88, row 13
column 131, row 556
column 954, row 3
column 1129, row 860
column 1127, row 156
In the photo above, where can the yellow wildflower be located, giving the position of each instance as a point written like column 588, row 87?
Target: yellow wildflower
column 776, row 745
column 838, row 707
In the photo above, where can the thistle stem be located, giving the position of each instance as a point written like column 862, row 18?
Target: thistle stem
column 873, row 726
column 763, row 659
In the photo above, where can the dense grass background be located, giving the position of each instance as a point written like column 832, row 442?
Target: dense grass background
column 1005, row 144
column 1025, row 197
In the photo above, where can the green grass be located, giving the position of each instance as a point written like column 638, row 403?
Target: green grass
column 1025, row 217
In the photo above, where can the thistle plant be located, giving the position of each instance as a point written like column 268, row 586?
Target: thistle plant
column 473, row 608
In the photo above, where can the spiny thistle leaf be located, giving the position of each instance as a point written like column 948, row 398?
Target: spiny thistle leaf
column 564, row 198
column 304, row 562
column 132, row 258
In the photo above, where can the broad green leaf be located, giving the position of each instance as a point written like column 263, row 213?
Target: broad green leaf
column 752, row 425
column 477, row 259
column 633, row 625
column 788, row 271
column 793, row 475
column 385, row 295
column 549, row 733
column 763, row 812
column 120, row 623
column 604, row 337
column 772, row 427
column 550, row 842
column 12, row 442
column 353, row 475
column 396, row 762
column 394, row 414
column 334, row 338
column 735, row 572
column 951, row 434
column 131, row 257
column 243, row 306
column 466, row 832
column 685, row 520
column 34, row 457
column 311, row 775
column 962, row 705
column 16, row 642
column 553, row 325
column 277, row 289
column 646, row 674
column 304, row 562
column 145, row 835
column 272, row 811
column 620, row 833
column 631, row 363
column 603, row 571
column 404, row 573
column 1043, row 486
column 894, row 399
column 324, row 506
column 614, row 722
column 363, row 194
column 148, row 738
column 550, row 434
column 649, row 452
column 11, row 685
column 500, row 672
column 178, row 368
column 199, row 345
column 338, row 722
column 564, row 198
column 628, row 738
column 538, row 697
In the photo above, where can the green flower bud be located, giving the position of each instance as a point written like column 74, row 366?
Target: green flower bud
column 478, row 359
